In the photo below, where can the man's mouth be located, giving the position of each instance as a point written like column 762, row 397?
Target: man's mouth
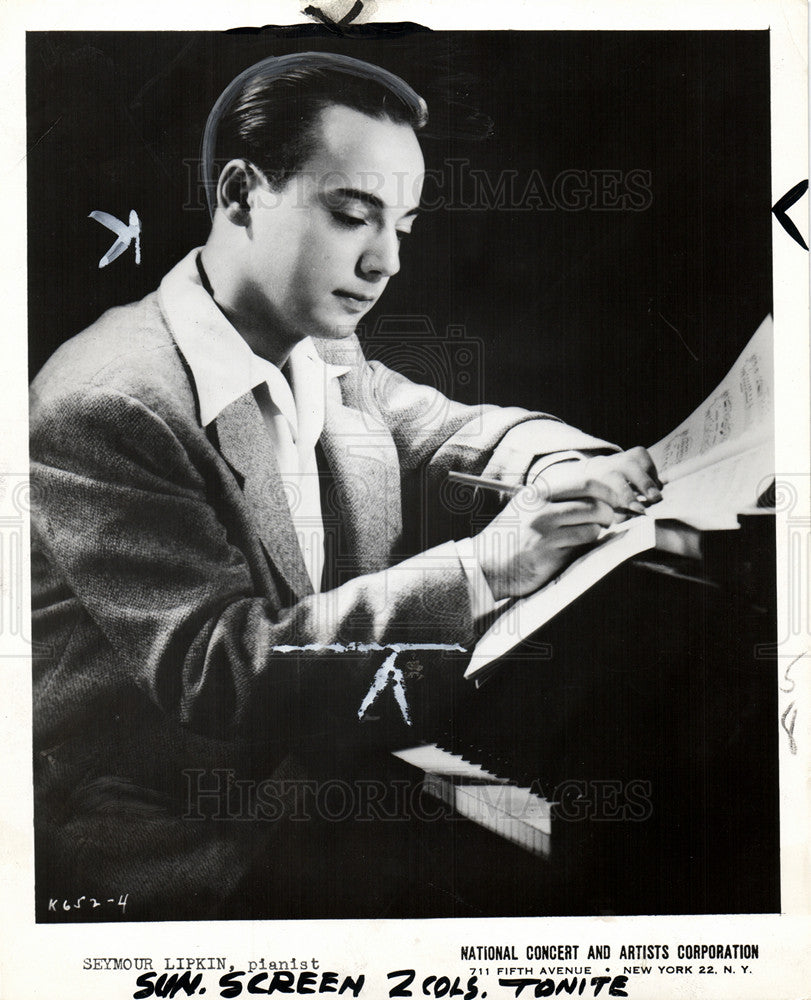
column 354, row 302
column 355, row 296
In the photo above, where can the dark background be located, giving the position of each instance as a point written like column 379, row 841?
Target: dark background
column 620, row 322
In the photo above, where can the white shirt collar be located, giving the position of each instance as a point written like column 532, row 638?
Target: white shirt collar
column 223, row 365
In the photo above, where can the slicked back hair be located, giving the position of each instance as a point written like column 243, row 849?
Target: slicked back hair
column 268, row 114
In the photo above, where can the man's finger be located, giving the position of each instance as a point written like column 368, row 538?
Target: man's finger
column 587, row 512
column 574, row 512
column 573, row 535
column 641, row 460
column 624, row 495
column 639, row 476
column 642, row 484
column 584, row 486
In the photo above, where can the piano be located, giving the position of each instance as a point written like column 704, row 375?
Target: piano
column 626, row 760
column 520, row 815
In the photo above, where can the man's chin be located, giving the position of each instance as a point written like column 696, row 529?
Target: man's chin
column 334, row 331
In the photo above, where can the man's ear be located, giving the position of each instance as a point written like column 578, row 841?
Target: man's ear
column 237, row 180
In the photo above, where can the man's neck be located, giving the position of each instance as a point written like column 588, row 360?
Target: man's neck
column 236, row 307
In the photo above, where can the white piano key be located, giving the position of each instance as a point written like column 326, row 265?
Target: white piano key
column 510, row 811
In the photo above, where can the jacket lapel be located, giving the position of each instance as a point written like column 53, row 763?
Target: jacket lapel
column 363, row 459
column 245, row 445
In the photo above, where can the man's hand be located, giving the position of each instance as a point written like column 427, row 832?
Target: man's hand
column 617, row 480
column 533, row 538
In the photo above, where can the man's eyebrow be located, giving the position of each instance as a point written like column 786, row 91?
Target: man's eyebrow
column 367, row 198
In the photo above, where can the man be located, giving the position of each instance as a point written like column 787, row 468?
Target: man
column 218, row 476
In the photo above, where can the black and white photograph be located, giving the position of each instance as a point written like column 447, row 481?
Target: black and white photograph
column 406, row 539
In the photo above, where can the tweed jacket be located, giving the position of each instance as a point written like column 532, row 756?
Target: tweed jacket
column 167, row 578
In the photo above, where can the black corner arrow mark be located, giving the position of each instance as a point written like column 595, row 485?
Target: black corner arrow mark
column 784, row 204
column 327, row 21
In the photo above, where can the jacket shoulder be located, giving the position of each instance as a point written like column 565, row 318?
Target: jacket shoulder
column 129, row 350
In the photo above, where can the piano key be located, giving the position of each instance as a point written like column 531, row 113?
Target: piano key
column 433, row 759
column 513, row 812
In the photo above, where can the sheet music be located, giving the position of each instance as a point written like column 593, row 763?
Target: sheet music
column 714, row 465
column 711, row 497
column 527, row 615
column 738, row 415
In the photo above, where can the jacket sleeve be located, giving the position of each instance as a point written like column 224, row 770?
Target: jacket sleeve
column 500, row 442
column 125, row 516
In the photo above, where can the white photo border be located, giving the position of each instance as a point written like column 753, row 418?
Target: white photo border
column 49, row 960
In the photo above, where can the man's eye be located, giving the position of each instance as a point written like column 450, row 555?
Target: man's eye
column 402, row 233
column 349, row 221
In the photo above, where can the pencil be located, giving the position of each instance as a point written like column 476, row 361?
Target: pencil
column 510, row 490
column 484, row 484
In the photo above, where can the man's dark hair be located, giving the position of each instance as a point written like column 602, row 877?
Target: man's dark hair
column 267, row 115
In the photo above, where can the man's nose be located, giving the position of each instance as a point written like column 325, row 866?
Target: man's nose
column 381, row 258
